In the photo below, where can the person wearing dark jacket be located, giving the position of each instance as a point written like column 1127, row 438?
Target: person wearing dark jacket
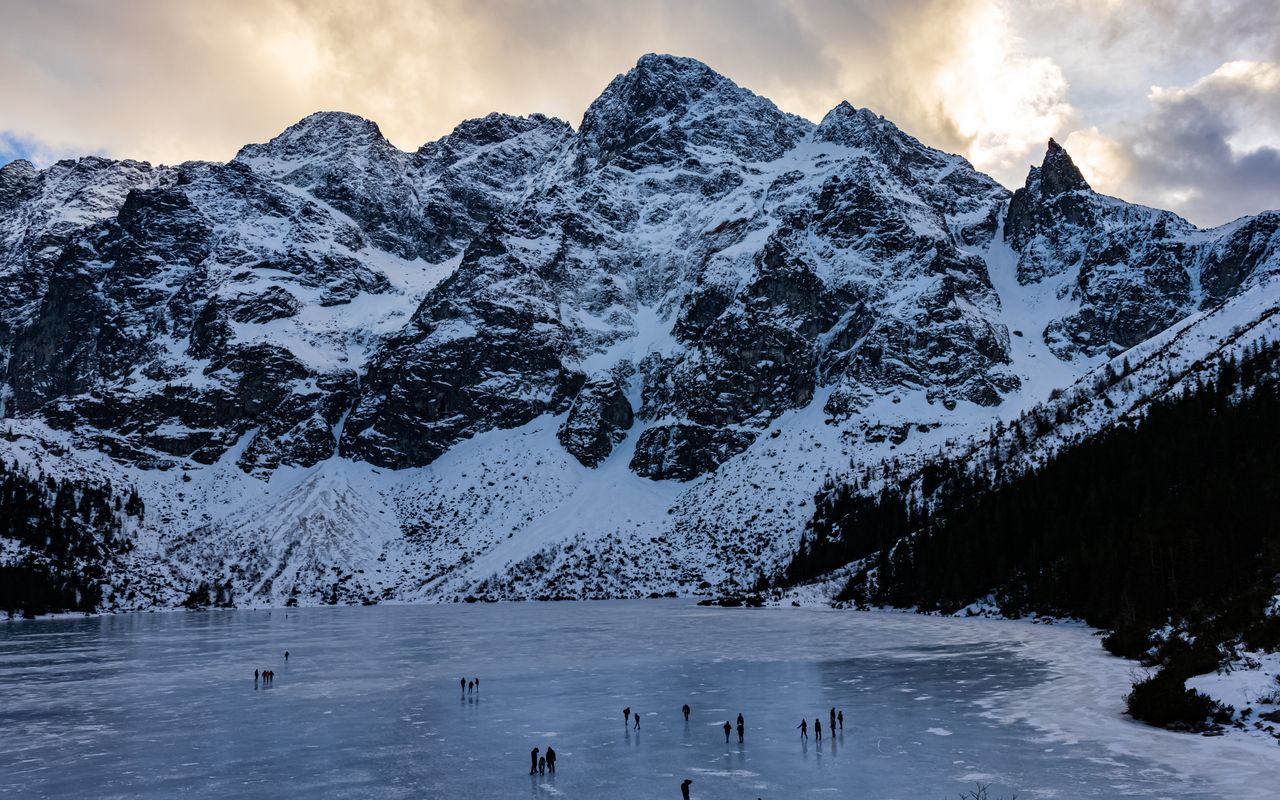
column 742, row 729
column 551, row 758
column 804, row 728
column 817, row 729
column 533, row 761
column 833, row 720
column 840, row 719
column 626, row 716
column 684, row 789
column 727, row 730
column 685, row 709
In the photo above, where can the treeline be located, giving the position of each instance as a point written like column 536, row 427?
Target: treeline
column 62, row 536
column 1167, row 518
column 1170, row 515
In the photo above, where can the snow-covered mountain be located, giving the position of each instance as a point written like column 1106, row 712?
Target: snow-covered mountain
column 527, row 360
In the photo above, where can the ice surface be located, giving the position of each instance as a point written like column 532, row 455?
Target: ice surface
column 164, row 705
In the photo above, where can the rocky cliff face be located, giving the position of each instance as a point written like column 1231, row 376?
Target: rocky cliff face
column 695, row 303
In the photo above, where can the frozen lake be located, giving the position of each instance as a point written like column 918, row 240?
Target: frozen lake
column 368, row 706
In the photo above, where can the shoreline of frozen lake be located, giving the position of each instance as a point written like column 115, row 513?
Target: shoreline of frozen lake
column 152, row 705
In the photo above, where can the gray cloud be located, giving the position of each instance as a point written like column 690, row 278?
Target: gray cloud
column 1209, row 150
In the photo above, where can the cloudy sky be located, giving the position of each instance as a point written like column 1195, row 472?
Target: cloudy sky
column 1175, row 103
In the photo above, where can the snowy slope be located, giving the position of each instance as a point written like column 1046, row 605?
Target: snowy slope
column 528, row 361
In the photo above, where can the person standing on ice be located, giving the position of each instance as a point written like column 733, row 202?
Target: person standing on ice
column 255, row 676
column 542, row 765
column 462, row 684
column 727, row 729
column 626, row 716
column 817, row 729
column 685, row 709
column 533, row 761
column 840, row 718
column 286, row 656
column 804, row 728
column 742, row 729
column 833, row 720
column 551, row 759
column 684, row 789
column 637, row 720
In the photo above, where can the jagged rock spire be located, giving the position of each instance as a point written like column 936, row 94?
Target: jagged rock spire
column 1030, row 209
column 1058, row 173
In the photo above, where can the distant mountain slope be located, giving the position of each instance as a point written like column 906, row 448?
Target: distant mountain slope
column 1164, row 512
column 525, row 360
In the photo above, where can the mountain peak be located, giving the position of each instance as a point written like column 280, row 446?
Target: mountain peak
column 317, row 134
column 851, row 126
column 495, row 127
column 1057, row 173
column 16, row 178
column 666, row 104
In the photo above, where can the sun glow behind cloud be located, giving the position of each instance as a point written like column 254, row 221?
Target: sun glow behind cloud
column 174, row 80
column 1002, row 102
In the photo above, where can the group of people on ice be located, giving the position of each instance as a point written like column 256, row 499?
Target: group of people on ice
column 836, row 718
column 541, row 763
column 267, row 676
column 742, row 728
column 469, row 686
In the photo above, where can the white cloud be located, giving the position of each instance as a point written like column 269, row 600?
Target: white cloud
column 1002, row 102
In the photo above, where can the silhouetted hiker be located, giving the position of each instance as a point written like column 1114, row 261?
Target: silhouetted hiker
column 542, row 765
column 255, row 676
column 286, row 655
column 626, row 716
column 471, row 687
column 833, row 720
column 636, row 718
column 685, row 709
column 462, row 684
column 804, row 728
column 684, row 789
column 533, row 761
column 817, row 729
column 477, row 684
column 727, row 729
column 742, row 729
column 840, row 717
column 551, row 759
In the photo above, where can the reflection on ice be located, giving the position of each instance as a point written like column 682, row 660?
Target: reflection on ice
column 369, row 705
